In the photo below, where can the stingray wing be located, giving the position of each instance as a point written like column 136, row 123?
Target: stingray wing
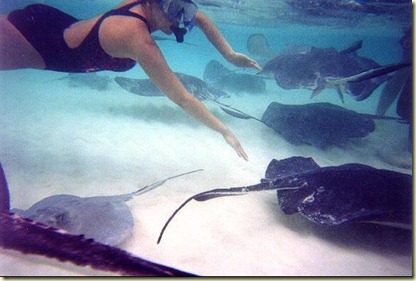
column 290, row 166
column 141, row 87
column 107, row 222
column 349, row 193
column 94, row 217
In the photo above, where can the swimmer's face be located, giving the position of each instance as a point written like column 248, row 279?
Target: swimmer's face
column 167, row 23
column 178, row 13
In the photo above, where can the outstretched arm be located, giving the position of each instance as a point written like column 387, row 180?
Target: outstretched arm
column 146, row 52
column 216, row 38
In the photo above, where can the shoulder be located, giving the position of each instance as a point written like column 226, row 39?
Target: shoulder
column 124, row 36
column 200, row 17
column 203, row 21
column 125, row 29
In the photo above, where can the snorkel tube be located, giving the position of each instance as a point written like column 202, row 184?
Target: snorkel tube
column 179, row 32
column 182, row 10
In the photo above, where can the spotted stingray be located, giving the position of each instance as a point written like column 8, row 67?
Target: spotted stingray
column 218, row 76
column 145, row 87
column 332, row 195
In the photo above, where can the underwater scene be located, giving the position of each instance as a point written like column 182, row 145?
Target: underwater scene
column 102, row 175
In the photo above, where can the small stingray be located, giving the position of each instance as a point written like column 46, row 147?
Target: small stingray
column 317, row 124
column 145, row 87
column 330, row 196
column 218, row 76
column 257, row 45
column 320, row 68
column 106, row 219
column 91, row 80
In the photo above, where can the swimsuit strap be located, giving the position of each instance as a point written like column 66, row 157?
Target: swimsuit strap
column 91, row 46
column 123, row 11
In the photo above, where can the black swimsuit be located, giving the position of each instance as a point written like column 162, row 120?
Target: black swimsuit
column 43, row 26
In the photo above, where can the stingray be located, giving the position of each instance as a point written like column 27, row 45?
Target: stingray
column 145, row 87
column 90, row 80
column 319, row 68
column 218, row 76
column 106, row 219
column 317, row 124
column 31, row 237
column 330, row 196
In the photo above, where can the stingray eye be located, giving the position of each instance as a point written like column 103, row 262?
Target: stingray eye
column 61, row 218
column 193, row 89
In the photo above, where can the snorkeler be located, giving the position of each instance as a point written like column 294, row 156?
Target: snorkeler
column 42, row 37
column 400, row 84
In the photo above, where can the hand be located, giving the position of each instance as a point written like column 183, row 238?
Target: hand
column 233, row 141
column 241, row 60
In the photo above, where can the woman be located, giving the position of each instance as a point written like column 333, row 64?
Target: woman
column 42, row 37
column 400, row 83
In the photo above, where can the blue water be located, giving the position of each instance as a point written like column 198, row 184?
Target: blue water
column 58, row 137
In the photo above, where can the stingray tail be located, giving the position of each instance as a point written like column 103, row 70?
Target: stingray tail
column 382, row 117
column 152, row 186
column 171, row 218
column 233, row 111
column 365, row 75
column 207, row 195
column 219, row 192
column 238, row 113
column 340, row 83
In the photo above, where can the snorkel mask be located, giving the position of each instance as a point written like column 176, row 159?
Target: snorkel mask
column 182, row 10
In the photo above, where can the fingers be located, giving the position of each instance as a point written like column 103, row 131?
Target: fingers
column 233, row 141
column 254, row 64
column 246, row 61
column 241, row 152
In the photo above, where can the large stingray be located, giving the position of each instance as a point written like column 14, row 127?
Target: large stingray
column 319, row 68
column 31, row 237
column 330, row 196
column 106, row 219
column 218, row 76
column 317, row 124
column 145, row 87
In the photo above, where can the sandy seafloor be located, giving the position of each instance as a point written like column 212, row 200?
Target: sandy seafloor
column 76, row 140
